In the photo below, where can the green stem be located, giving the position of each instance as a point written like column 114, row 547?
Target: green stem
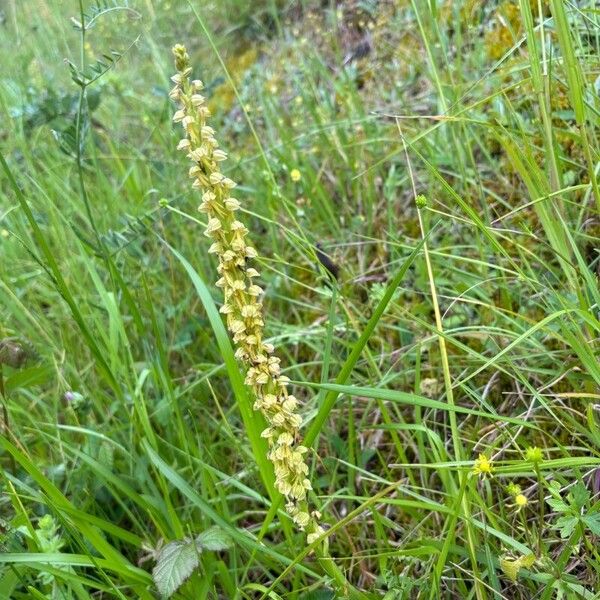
column 456, row 443
column 343, row 586
column 541, row 511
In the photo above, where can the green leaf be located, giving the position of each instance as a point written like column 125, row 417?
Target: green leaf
column 592, row 522
column 253, row 422
column 330, row 399
column 405, row 398
column 566, row 525
column 175, row 563
column 579, row 495
column 177, row 560
column 214, row 539
column 558, row 505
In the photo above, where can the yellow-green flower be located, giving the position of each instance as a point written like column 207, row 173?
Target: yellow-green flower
column 242, row 307
column 521, row 501
column 513, row 489
column 295, row 175
column 534, row 454
column 483, row 466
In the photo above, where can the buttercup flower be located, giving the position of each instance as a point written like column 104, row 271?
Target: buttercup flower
column 521, row 501
column 242, row 307
column 483, row 466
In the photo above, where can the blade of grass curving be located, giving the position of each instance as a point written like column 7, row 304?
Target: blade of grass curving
column 58, row 278
column 41, row 559
column 253, row 422
column 475, row 218
column 330, row 399
column 555, row 315
column 411, row 400
column 576, row 87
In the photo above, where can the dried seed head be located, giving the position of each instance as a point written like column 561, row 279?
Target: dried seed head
column 13, row 353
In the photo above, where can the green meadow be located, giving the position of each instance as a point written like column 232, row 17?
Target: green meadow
column 370, row 370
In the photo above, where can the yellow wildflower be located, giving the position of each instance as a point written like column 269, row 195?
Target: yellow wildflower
column 521, row 501
column 295, row 175
column 483, row 466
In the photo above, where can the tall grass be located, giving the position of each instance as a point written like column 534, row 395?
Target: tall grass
column 467, row 325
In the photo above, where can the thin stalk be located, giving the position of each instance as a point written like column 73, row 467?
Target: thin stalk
column 78, row 134
column 456, row 443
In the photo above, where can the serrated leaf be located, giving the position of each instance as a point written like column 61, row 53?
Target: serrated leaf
column 579, row 495
column 566, row 525
column 214, row 539
column 557, row 505
column 592, row 522
column 175, row 563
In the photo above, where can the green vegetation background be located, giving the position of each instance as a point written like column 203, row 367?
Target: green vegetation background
column 457, row 454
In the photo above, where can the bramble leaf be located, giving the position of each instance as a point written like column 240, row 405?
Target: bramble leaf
column 175, row 563
column 177, row 560
column 214, row 539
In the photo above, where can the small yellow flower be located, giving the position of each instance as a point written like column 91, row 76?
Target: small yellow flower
column 483, row 466
column 511, row 567
column 521, row 501
column 295, row 175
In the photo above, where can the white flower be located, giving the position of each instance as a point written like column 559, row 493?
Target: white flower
column 315, row 535
column 213, row 226
column 184, row 144
column 216, row 178
column 197, row 154
column 242, row 309
column 231, row 204
column 178, row 116
column 255, row 290
column 188, row 122
column 219, row 155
